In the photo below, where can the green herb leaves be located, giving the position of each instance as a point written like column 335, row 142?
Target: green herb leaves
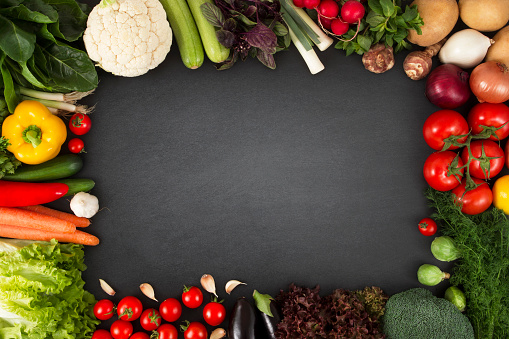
column 385, row 22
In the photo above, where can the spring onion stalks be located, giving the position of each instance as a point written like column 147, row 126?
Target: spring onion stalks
column 65, row 97
column 61, row 106
column 312, row 61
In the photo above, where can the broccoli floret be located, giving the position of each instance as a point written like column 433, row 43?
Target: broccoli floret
column 417, row 313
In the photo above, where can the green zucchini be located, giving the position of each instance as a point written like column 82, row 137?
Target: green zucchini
column 215, row 51
column 62, row 166
column 185, row 32
column 77, row 185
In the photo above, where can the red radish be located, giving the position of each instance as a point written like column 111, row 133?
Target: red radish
column 326, row 23
column 339, row 27
column 352, row 11
column 328, row 9
column 298, row 3
column 311, row 4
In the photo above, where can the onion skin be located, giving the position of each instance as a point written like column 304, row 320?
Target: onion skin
column 490, row 82
column 447, row 87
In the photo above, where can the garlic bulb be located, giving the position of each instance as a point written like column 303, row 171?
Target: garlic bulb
column 465, row 49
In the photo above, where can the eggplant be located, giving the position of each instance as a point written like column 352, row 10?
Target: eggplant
column 242, row 320
column 270, row 323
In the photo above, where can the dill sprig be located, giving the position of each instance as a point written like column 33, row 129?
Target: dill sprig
column 483, row 270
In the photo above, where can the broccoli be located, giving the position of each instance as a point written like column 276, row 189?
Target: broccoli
column 417, row 313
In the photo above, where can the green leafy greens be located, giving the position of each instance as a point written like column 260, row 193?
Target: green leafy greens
column 8, row 162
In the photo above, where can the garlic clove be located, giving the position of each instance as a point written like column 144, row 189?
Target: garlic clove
column 208, row 283
column 218, row 333
column 148, row 290
column 106, row 288
column 230, row 285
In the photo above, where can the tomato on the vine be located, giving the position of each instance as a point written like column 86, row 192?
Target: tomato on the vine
column 170, row 310
column 214, row 313
column 166, row 331
column 121, row 329
column 192, row 297
column 427, row 226
column 474, row 201
column 442, row 170
column 76, row 145
column 140, row 335
column 129, row 308
column 444, row 128
column 150, row 319
column 194, row 330
column 491, row 117
column 80, row 123
column 101, row 334
column 488, row 158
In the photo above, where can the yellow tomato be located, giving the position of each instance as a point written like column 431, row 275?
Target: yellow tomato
column 501, row 193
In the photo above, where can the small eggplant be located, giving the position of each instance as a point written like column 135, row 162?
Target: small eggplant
column 242, row 320
column 270, row 323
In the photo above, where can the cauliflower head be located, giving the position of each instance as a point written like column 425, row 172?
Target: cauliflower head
column 128, row 37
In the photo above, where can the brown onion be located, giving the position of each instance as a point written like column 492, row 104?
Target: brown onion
column 490, row 82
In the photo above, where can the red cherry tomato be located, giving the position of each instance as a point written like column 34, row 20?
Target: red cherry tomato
column 101, row 334
column 129, row 308
column 80, row 124
column 491, row 158
column 167, row 331
column 121, row 329
column 474, row 201
column 76, row 145
column 170, row 310
column 192, row 297
column 150, row 319
column 439, row 170
column 443, row 127
column 214, row 313
column 104, row 309
column 427, row 226
column 494, row 117
column 140, row 335
column 195, row 330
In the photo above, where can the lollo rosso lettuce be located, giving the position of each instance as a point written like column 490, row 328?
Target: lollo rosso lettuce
column 42, row 292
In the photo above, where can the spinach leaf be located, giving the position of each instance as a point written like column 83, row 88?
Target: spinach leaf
column 33, row 11
column 71, row 20
column 17, row 43
column 11, row 97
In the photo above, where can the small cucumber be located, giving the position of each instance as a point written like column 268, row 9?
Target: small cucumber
column 62, row 166
column 185, row 32
column 77, row 185
column 214, row 50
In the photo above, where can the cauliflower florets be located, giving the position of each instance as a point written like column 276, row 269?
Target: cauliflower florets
column 128, row 37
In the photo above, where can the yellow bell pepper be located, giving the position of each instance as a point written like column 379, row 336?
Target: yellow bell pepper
column 34, row 133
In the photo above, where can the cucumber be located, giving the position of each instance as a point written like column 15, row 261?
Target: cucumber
column 185, row 32
column 215, row 51
column 62, row 166
column 77, row 185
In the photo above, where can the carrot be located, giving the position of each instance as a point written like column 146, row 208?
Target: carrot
column 77, row 237
column 77, row 221
column 18, row 217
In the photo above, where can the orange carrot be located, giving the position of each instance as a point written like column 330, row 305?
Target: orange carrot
column 77, row 221
column 78, row 237
column 18, row 217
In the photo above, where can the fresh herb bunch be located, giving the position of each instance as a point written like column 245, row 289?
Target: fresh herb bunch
column 8, row 162
column 249, row 28
column 483, row 270
column 385, row 22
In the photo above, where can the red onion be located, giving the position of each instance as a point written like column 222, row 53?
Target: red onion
column 447, row 86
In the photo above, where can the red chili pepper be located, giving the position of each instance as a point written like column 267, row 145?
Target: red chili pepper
column 17, row 194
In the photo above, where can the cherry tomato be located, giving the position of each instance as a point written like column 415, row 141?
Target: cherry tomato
column 494, row 116
column 443, row 127
column 140, row 335
column 121, row 329
column 427, row 226
column 104, row 309
column 474, row 201
column 442, row 170
column 192, row 297
column 490, row 155
column 101, row 334
column 150, row 319
column 167, row 331
column 214, row 313
column 129, row 308
column 170, row 310
column 80, row 124
column 76, row 145
column 195, row 330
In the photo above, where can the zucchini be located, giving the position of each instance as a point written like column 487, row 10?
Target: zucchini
column 77, row 185
column 215, row 51
column 185, row 32
column 62, row 166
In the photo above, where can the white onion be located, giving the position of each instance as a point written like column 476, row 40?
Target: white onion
column 465, row 49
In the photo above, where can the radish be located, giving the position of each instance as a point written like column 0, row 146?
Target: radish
column 328, row 9
column 352, row 11
column 298, row 3
column 326, row 23
column 311, row 4
column 339, row 27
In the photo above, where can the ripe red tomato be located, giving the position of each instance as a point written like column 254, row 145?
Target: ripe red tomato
column 214, row 313
column 192, row 297
column 101, row 334
column 442, row 170
column 474, row 201
column 140, row 335
column 444, row 127
column 150, row 319
column 427, row 226
column 170, row 310
column 167, row 331
column 195, row 330
column 104, row 309
column 491, row 158
column 121, row 329
column 493, row 116
column 80, row 124
column 76, row 145
column 129, row 308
